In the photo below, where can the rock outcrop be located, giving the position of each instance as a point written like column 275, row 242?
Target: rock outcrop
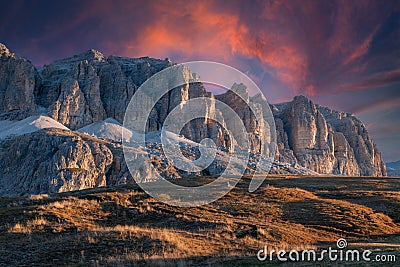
column 50, row 161
column 56, row 160
column 325, row 140
column 88, row 88
column 19, row 80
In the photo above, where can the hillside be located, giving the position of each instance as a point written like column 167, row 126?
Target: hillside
column 28, row 125
column 123, row 225
column 108, row 129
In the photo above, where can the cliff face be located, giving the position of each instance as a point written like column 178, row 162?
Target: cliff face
column 18, row 82
column 57, row 160
column 50, row 161
column 325, row 140
column 88, row 88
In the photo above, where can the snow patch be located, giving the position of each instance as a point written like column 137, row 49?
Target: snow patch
column 108, row 129
column 28, row 125
column 172, row 138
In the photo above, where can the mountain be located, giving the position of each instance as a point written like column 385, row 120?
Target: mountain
column 325, row 140
column 393, row 168
column 395, row 165
column 87, row 88
column 18, row 83
column 88, row 93
column 107, row 129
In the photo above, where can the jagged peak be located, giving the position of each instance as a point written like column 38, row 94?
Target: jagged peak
column 90, row 55
column 239, row 87
column 4, row 50
column 145, row 59
column 301, row 98
column 329, row 111
column 303, row 102
column 259, row 97
column 241, row 90
column 95, row 54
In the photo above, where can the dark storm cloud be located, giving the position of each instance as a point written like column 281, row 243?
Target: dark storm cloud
column 331, row 51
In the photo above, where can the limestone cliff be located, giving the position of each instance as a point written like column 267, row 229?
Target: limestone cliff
column 50, row 161
column 18, row 81
column 86, row 88
column 325, row 140
column 90, row 87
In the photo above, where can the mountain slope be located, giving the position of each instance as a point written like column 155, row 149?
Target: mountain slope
column 28, row 125
column 84, row 90
column 393, row 165
column 124, row 226
column 325, row 140
column 107, row 129
column 18, row 83
column 393, row 168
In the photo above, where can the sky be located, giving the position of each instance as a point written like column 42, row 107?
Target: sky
column 341, row 54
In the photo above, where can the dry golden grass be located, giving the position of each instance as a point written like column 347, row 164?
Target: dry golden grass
column 34, row 225
column 38, row 197
column 122, row 226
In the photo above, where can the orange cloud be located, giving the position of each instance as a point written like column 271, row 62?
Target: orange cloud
column 193, row 31
column 318, row 48
column 285, row 61
column 362, row 49
column 306, row 46
column 199, row 32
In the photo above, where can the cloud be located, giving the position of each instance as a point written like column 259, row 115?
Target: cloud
column 375, row 80
column 337, row 52
column 307, row 46
column 190, row 32
column 362, row 49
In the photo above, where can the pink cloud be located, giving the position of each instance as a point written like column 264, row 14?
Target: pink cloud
column 308, row 47
column 376, row 80
column 362, row 49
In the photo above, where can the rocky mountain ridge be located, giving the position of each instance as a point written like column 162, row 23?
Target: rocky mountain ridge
column 89, row 88
column 325, row 140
